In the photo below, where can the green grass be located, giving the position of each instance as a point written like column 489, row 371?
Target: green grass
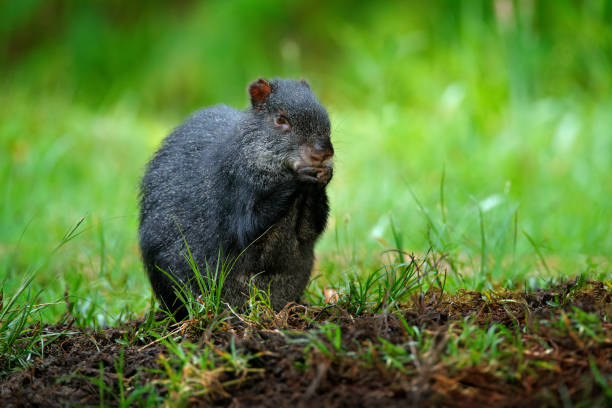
column 476, row 139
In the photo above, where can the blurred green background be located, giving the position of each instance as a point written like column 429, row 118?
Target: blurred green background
column 482, row 129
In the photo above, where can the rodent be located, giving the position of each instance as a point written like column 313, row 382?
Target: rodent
column 226, row 180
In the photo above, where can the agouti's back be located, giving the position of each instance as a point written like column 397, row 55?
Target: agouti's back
column 226, row 180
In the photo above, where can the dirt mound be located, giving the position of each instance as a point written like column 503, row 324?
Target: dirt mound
column 547, row 347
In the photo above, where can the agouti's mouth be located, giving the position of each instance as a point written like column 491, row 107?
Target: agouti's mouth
column 314, row 166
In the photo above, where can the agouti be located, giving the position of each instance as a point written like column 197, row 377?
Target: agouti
column 226, row 180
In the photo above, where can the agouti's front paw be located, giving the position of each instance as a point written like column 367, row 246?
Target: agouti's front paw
column 310, row 174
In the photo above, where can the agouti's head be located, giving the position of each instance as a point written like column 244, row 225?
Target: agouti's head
column 293, row 129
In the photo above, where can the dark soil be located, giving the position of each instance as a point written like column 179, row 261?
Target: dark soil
column 283, row 373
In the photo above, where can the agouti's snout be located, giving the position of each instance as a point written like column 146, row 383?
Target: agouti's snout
column 315, row 164
column 318, row 155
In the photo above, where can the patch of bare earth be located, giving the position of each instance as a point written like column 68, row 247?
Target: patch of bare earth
column 283, row 371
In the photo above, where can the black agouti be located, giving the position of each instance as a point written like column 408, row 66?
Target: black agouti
column 226, row 180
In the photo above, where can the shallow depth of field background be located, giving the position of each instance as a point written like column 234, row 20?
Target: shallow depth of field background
column 482, row 130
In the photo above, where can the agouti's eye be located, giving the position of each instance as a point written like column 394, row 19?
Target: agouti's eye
column 282, row 122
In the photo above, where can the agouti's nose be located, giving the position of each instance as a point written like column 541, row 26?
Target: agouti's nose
column 321, row 153
column 320, row 156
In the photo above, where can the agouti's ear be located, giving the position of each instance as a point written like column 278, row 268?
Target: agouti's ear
column 259, row 91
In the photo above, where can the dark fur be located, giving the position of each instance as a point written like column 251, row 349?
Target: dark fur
column 226, row 179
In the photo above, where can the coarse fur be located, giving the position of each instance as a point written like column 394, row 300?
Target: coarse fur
column 226, row 180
